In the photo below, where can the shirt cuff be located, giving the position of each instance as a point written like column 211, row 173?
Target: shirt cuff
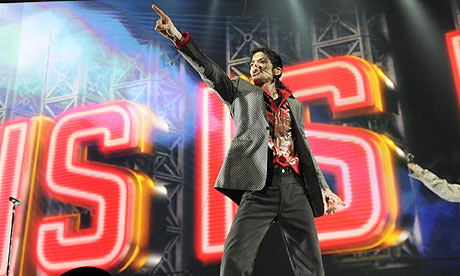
column 184, row 41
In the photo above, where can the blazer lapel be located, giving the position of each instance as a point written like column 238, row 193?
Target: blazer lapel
column 295, row 109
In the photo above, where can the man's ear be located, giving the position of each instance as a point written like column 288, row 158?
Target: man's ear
column 277, row 71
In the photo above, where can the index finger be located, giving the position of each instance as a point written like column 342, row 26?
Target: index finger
column 159, row 12
column 341, row 201
column 337, row 199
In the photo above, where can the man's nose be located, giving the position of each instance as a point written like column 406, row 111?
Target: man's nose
column 256, row 64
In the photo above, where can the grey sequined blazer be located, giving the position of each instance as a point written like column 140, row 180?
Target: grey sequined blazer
column 245, row 167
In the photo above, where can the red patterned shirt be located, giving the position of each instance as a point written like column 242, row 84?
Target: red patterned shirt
column 282, row 139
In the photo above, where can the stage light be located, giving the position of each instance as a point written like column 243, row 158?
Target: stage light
column 423, row 24
column 298, row 11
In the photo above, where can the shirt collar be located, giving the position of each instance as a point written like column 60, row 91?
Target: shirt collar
column 283, row 93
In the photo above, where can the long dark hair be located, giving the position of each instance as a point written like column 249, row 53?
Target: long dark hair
column 276, row 61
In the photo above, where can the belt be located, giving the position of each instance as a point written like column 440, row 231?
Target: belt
column 288, row 175
column 283, row 171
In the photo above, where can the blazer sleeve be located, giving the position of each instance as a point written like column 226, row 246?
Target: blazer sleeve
column 209, row 71
column 439, row 186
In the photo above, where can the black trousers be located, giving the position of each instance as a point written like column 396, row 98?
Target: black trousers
column 285, row 200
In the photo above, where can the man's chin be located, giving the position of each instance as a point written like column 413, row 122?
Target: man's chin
column 257, row 82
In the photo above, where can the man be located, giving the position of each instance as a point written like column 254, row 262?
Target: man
column 269, row 169
column 439, row 186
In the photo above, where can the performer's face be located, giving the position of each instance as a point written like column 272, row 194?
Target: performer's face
column 261, row 69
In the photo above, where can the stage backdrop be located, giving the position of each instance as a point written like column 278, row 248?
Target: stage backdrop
column 113, row 143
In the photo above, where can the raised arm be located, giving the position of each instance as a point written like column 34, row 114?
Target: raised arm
column 439, row 186
column 209, row 71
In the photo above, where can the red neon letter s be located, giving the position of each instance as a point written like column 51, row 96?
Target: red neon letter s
column 115, row 195
column 361, row 161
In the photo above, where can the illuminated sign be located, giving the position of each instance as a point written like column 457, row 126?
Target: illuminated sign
column 350, row 85
column 362, row 164
column 214, row 212
column 21, row 148
column 360, row 161
column 115, row 194
column 118, row 198
column 12, row 158
column 453, row 48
